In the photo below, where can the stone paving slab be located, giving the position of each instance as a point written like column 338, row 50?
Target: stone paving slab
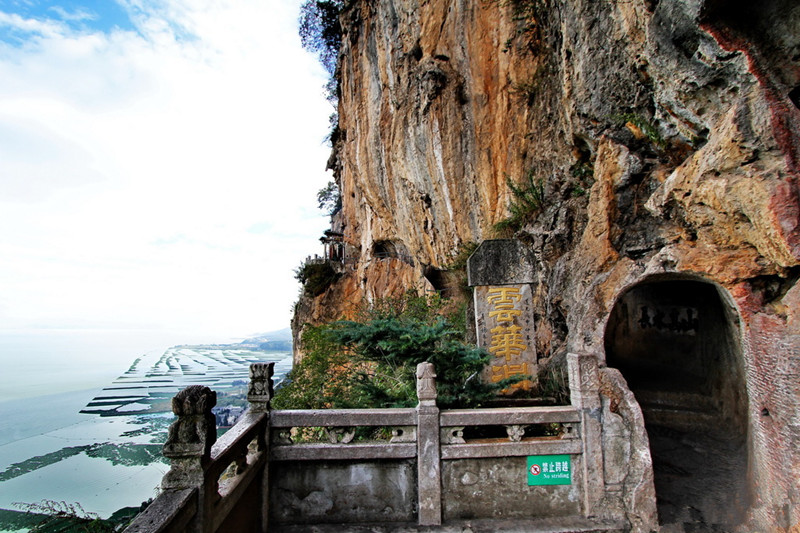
column 550, row 525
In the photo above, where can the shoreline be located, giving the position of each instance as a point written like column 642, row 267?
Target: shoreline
column 110, row 459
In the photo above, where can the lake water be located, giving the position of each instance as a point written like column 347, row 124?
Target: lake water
column 94, row 436
column 44, row 362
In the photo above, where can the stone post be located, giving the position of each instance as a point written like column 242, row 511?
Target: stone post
column 259, row 394
column 190, row 437
column 188, row 445
column 584, row 385
column 429, row 465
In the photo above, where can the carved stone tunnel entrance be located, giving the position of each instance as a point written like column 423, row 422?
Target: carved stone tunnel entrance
column 678, row 345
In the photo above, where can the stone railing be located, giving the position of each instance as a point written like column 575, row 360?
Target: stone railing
column 436, row 466
column 214, row 484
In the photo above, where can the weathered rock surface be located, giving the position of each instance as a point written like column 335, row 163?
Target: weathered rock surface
column 667, row 138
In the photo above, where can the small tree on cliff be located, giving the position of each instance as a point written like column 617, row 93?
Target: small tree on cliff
column 321, row 34
column 320, row 30
column 329, row 198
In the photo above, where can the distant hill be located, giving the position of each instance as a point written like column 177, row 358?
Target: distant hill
column 280, row 340
column 273, row 341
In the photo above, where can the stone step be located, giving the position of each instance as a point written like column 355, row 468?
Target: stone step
column 539, row 525
column 679, row 419
column 676, row 400
column 678, row 410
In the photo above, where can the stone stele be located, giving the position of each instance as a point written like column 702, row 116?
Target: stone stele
column 501, row 272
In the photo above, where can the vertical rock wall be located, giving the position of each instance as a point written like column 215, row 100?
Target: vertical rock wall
column 667, row 139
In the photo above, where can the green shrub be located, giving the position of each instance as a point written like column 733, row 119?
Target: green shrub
column 427, row 307
column 371, row 362
column 395, row 345
column 320, row 380
column 316, row 277
column 577, row 191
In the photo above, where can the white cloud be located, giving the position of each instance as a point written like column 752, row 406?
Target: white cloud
column 160, row 178
column 76, row 15
column 47, row 29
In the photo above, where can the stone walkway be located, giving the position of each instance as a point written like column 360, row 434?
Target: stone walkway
column 700, row 480
column 552, row 525
column 699, row 464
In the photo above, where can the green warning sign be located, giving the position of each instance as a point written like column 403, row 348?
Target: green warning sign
column 549, row 470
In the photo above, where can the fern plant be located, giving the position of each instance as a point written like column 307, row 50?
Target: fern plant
column 527, row 199
column 640, row 123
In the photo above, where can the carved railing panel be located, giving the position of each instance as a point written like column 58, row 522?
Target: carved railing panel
column 340, row 435
column 515, row 432
column 453, row 435
column 282, row 437
column 339, row 427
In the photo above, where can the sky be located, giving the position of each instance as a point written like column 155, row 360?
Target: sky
column 159, row 163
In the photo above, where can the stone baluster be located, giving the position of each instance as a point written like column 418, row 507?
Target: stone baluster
column 584, row 385
column 190, row 437
column 570, row 431
column 429, row 476
column 337, row 435
column 404, row 434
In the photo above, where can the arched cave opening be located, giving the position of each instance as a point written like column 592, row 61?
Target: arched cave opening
column 388, row 249
column 436, row 277
column 678, row 345
column 383, row 249
column 444, row 282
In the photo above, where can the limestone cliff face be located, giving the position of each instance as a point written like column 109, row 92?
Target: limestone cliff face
column 442, row 101
column 432, row 124
column 666, row 135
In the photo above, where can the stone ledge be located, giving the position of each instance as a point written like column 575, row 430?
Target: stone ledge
column 343, row 452
column 342, row 417
column 509, row 415
column 171, row 511
column 534, row 446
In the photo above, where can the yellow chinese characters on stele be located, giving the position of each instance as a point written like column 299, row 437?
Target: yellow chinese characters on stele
column 507, row 342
